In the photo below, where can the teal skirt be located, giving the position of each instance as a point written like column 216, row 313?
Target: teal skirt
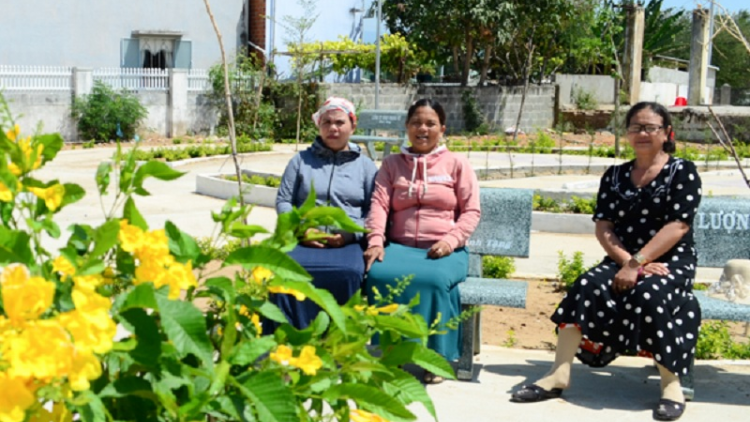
column 436, row 281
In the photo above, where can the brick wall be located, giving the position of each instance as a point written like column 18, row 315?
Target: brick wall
column 257, row 24
column 499, row 104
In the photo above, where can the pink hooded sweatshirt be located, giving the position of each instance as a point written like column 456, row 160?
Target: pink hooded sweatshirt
column 421, row 199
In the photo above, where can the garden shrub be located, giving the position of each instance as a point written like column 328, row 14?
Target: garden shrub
column 106, row 115
column 568, row 270
column 498, row 266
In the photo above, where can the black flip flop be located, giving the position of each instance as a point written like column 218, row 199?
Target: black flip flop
column 668, row 410
column 534, row 393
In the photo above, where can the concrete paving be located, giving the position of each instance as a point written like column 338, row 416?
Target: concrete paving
column 627, row 390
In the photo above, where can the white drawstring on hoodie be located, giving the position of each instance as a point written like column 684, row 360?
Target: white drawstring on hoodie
column 414, row 176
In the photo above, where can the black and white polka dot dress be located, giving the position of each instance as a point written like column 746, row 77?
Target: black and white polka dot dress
column 659, row 315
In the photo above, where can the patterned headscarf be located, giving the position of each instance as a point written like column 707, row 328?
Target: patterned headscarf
column 335, row 103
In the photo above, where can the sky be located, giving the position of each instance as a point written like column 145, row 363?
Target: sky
column 729, row 5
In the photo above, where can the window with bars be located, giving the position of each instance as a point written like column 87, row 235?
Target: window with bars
column 156, row 51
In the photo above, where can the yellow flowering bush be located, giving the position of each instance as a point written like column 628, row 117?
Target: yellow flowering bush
column 108, row 327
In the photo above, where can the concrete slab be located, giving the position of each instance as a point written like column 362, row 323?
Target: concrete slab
column 626, row 390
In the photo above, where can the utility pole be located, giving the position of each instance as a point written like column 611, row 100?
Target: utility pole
column 698, row 68
column 633, row 58
column 377, row 54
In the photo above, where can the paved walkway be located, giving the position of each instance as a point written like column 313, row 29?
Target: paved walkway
column 624, row 391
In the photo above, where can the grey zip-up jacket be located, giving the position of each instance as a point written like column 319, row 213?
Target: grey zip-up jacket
column 343, row 179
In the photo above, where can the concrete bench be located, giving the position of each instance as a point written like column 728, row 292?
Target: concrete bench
column 372, row 121
column 504, row 230
column 722, row 232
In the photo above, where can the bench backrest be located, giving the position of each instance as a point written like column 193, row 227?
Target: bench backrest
column 722, row 230
column 505, row 226
column 390, row 120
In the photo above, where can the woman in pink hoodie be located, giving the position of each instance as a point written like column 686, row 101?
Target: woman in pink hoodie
column 424, row 208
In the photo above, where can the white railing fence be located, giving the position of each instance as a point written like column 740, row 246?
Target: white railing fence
column 133, row 79
column 198, row 80
column 36, row 78
column 60, row 78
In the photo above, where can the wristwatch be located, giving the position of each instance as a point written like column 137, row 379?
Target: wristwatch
column 639, row 259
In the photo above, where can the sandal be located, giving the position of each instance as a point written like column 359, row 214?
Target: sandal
column 668, row 410
column 430, row 378
column 534, row 393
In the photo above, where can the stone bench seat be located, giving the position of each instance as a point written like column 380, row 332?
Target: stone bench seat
column 370, row 121
column 493, row 291
column 712, row 308
column 504, row 230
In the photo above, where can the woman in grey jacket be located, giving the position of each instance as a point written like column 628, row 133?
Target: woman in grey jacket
column 342, row 177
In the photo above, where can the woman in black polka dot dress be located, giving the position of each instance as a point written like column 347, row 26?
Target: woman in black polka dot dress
column 639, row 298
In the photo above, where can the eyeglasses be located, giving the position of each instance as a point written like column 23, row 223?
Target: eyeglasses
column 644, row 128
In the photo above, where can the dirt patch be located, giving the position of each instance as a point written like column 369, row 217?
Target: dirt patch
column 531, row 328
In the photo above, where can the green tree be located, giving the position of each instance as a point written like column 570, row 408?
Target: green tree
column 730, row 55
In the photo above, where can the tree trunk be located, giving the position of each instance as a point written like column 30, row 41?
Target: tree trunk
column 526, row 77
column 456, row 68
column 486, row 63
column 467, row 59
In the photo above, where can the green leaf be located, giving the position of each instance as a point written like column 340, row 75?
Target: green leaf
column 407, row 389
column 157, row 169
column 15, row 246
column 405, row 327
column 244, row 231
column 309, row 203
column 322, row 298
column 371, row 399
column 90, row 407
column 49, row 226
column 272, row 312
column 185, row 327
column 413, row 352
column 332, row 216
column 182, row 245
column 269, row 397
column 128, row 385
column 103, row 177
column 143, row 325
column 73, row 193
column 276, row 261
column 224, row 287
column 130, row 212
column 105, row 237
column 52, row 142
column 249, row 351
column 142, row 296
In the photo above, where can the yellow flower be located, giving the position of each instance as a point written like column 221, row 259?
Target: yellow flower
column 88, row 282
column 13, row 133
column 63, row 266
column 286, row 290
column 15, row 398
column 244, row 311
column 359, row 415
column 255, row 319
column 25, row 297
column 52, row 196
column 90, row 324
column 155, row 245
column 6, row 195
column 308, row 361
column 59, row 413
column 86, row 367
column 43, row 350
column 131, row 237
column 283, row 355
column 261, row 274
